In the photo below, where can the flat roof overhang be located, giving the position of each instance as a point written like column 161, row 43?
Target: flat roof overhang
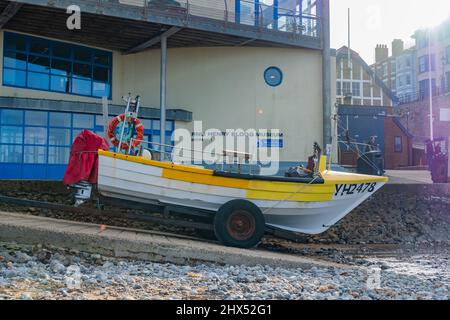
column 114, row 26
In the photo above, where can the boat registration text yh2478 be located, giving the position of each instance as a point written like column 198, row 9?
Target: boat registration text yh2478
column 351, row 189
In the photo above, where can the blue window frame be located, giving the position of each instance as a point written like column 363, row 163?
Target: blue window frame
column 36, row 144
column 424, row 88
column 36, row 63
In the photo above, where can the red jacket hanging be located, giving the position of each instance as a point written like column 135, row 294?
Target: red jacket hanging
column 83, row 162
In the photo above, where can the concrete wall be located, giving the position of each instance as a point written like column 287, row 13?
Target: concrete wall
column 225, row 88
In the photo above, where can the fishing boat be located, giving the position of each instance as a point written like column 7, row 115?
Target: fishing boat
column 241, row 205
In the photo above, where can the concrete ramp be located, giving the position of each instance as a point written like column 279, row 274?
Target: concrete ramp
column 409, row 177
column 136, row 244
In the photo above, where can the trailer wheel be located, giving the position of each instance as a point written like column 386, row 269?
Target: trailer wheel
column 240, row 224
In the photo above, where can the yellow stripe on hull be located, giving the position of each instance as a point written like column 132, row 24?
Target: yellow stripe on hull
column 252, row 185
column 207, row 179
column 158, row 164
column 255, row 189
column 300, row 196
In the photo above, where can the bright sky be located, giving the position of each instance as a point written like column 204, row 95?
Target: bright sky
column 380, row 21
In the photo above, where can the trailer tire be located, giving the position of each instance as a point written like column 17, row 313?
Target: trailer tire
column 239, row 223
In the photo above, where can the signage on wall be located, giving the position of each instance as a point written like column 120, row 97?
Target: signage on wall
column 445, row 115
column 271, row 140
column 271, row 143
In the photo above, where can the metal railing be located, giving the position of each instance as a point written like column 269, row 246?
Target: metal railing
column 422, row 95
column 168, row 150
column 250, row 14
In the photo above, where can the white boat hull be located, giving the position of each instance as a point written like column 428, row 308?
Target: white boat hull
column 146, row 184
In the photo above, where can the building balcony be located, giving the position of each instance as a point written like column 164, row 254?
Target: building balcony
column 423, row 95
column 124, row 24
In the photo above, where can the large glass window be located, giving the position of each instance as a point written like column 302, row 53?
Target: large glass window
column 35, row 135
column 83, row 121
column 10, row 153
column 59, row 119
column 41, row 64
column 12, row 117
column 58, row 155
column 44, row 138
column 34, row 155
column 356, row 89
column 346, row 88
column 36, row 118
column 11, row 134
column 59, row 137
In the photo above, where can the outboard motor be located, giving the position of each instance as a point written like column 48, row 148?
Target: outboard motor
column 371, row 163
column 83, row 193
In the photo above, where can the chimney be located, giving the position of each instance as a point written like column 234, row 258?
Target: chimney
column 397, row 47
column 381, row 52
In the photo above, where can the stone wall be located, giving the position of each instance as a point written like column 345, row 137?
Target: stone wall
column 398, row 214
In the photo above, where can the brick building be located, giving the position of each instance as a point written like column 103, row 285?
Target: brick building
column 365, row 107
column 397, row 144
column 386, row 66
column 415, row 117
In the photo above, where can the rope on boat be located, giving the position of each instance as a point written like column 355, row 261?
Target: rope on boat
column 355, row 149
column 291, row 195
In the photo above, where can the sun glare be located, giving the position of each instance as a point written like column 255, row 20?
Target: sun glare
column 436, row 12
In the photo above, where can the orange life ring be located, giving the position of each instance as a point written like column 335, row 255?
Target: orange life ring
column 112, row 132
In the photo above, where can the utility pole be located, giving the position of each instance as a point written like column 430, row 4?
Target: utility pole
column 430, row 84
column 349, row 58
column 326, row 72
column 163, row 93
column 350, row 63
